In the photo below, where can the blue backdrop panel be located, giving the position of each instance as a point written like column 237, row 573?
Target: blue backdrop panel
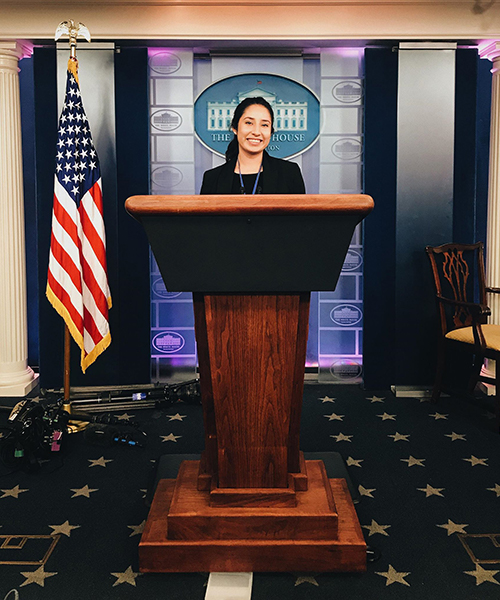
column 381, row 84
column 127, row 359
column 27, row 92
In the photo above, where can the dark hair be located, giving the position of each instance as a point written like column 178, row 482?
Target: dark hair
column 232, row 149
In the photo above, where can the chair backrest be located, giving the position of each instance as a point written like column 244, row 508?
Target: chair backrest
column 458, row 271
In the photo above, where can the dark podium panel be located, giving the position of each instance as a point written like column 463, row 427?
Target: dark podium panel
column 252, row 503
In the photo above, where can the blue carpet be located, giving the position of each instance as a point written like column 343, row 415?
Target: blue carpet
column 428, row 478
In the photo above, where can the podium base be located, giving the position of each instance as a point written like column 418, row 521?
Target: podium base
column 184, row 533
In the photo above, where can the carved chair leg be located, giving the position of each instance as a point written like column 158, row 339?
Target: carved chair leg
column 476, row 372
column 438, row 381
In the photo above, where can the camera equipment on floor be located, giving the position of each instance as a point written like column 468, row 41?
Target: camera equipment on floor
column 35, row 430
column 133, row 397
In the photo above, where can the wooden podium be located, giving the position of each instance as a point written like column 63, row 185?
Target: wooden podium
column 251, row 503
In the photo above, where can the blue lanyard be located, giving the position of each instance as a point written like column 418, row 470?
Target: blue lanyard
column 242, row 185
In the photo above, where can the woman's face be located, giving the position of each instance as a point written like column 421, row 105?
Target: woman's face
column 254, row 129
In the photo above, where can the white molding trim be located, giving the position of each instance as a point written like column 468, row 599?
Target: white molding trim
column 164, row 20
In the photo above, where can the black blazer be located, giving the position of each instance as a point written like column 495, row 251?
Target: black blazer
column 278, row 177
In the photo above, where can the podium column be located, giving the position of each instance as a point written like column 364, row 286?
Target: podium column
column 16, row 377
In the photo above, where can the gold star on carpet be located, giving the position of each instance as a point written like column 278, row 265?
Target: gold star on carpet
column 342, row 438
column 412, row 461
column 483, row 575
column 476, row 461
column 386, row 417
column 127, row 577
column 39, row 576
column 144, row 492
column 13, row 493
column 176, row 417
column 137, row 529
column 454, row 527
column 375, row 399
column 354, row 462
column 64, row 529
column 334, row 417
column 400, row 437
column 376, row 528
column 326, row 399
column 456, row 436
column 365, row 491
column 84, row 491
column 170, row 437
column 431, row 491
column 124, row 417
column 394, row 576
column 306, row 579
column 495, row 489
column 100, row 462
column 438, row 416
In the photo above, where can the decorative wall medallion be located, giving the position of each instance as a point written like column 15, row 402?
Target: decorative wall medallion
column 165, row 63
column 346, row 315
column 168, row 342
column 348, row 92
column 347, row 149
column 166, row 177
column 296, row 112
column 166, row 120
column 352, row 260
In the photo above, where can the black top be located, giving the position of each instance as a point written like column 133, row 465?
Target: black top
column 248, row 183
column 278, row 177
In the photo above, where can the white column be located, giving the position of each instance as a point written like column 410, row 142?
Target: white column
column 492, row 52
column 16, row 378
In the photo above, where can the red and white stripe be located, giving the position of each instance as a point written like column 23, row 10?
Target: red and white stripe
column 77, row 283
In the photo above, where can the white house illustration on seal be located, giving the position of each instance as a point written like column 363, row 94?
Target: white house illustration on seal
column 288, row 116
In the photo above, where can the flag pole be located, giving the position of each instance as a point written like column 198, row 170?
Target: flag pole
column 72, row 30
column 67, row 369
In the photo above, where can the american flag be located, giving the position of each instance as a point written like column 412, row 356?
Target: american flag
column 77, row 281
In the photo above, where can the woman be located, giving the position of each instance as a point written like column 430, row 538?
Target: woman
column 248, row 168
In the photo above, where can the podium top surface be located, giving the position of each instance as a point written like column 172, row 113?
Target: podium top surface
column 261, row 204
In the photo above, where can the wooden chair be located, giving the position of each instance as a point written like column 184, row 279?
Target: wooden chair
column 459, row 278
